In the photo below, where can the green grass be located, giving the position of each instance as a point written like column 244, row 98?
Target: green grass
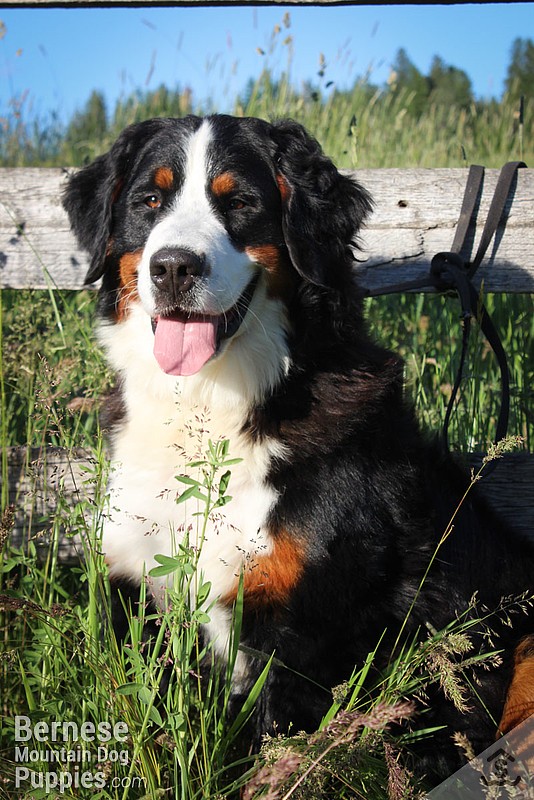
column 57, row 661
column 65, row 666
column 52, row 378
column 426, row 330
column 60, row 663
column 366, row 127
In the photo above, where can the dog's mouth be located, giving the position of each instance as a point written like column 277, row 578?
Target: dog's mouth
column 184, row 342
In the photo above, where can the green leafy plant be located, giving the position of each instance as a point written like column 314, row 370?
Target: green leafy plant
column 67, row 665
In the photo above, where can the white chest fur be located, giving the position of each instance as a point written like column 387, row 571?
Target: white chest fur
column 168, row 424
column 145, row 518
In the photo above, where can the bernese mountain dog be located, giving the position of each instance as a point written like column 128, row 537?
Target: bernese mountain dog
column 229, row 310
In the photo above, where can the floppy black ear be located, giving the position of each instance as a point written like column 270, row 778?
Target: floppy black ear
column 322, row 209
column 87, row 200
column 90, row 193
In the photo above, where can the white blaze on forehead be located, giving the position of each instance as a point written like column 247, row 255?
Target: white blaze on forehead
column 193, row 196
column 191, row 213
column 192, row 223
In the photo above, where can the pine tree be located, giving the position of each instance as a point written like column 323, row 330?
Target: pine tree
column 520, row 77
column 450, row 86
column 86, row 132
column 407, row 78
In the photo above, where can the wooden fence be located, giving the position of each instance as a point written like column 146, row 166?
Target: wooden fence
column 416, row 212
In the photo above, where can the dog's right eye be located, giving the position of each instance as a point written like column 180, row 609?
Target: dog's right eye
column 236, row 204
column 152, row 201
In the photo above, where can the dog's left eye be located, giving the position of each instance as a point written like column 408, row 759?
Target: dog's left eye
column 152, row 201
column 236, row 204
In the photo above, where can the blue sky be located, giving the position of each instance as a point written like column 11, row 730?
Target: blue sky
column 55, row 57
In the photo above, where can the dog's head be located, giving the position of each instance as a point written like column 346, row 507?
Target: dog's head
column 192, row 219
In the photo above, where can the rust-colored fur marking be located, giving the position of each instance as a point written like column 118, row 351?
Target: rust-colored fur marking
column 117, row 190
column 280, row 274
column 283, row 187
column 520, row 697
column 163, row 178
column 269, row 579
column 223, row 184
column 128, row 265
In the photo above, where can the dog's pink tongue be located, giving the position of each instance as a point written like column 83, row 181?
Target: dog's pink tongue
column 183, row 347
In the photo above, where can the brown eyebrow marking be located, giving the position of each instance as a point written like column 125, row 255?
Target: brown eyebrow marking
column 164, row 178
column 223, row 184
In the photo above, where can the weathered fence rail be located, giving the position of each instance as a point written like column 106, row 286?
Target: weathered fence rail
column 46, row 485
column 416, row 212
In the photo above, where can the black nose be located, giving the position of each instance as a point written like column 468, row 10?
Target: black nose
column 173, row 269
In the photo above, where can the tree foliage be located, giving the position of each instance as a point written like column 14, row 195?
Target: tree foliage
column 406, row 77
column 444, row 85
column 449, row 86
column 520, row 76
column 87, row 127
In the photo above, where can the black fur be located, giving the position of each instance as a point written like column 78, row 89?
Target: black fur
column 319, row 218
column 363, row 491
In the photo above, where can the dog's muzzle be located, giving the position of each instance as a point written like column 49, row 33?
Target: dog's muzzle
column 184, row 341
